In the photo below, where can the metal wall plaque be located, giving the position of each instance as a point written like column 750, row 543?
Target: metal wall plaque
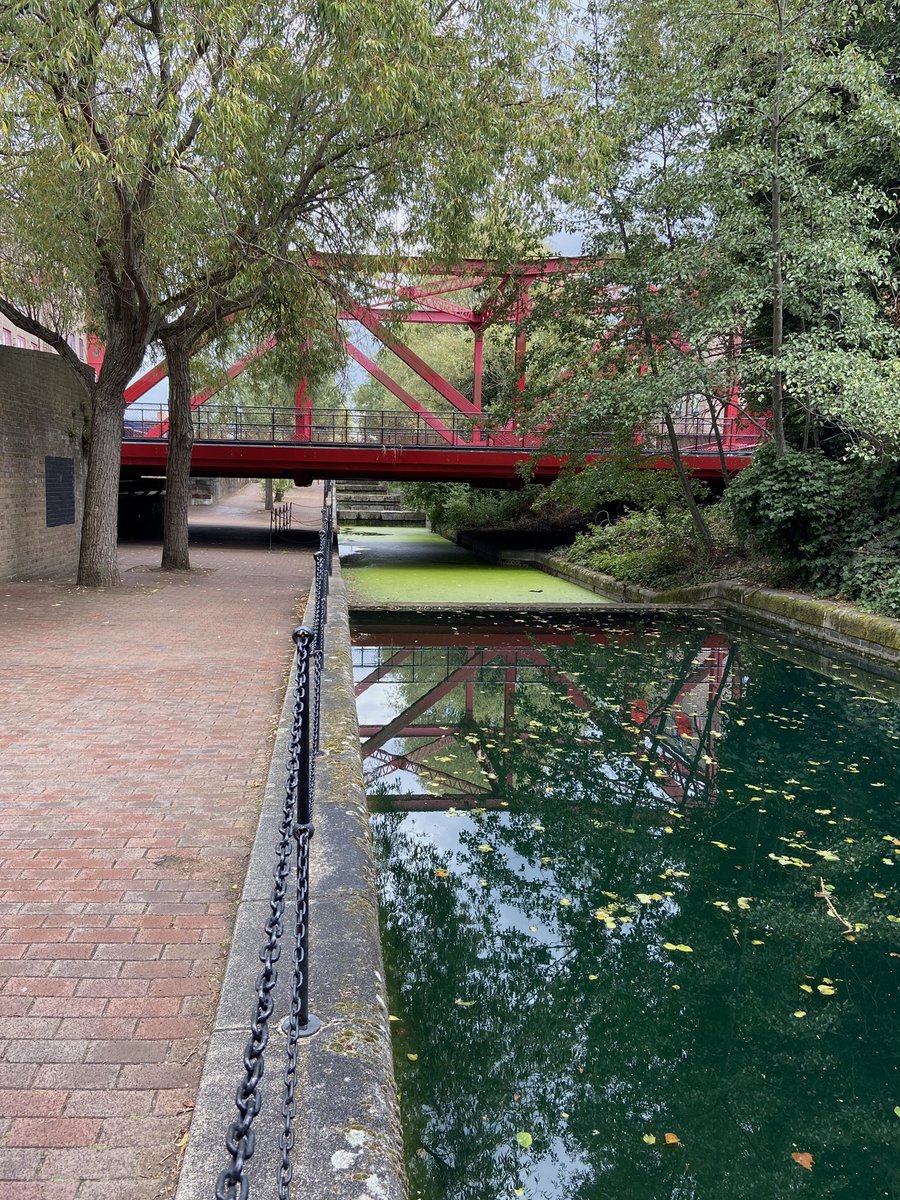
column 59, row 483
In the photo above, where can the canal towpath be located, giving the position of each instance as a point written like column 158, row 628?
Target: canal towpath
column 136, row 725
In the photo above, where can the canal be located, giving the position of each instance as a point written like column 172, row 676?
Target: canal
column 638, row 903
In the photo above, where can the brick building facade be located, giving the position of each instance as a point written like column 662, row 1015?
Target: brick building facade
column 43, row 410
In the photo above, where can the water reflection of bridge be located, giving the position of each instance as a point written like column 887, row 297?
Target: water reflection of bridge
column 451, row 696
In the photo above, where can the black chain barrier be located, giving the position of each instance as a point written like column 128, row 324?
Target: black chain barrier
column 296, row 826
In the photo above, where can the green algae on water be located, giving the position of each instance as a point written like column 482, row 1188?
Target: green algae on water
column 414, row 566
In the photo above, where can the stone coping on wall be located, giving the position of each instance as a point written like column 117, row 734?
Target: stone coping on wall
column 348, row 1140
column 830, row 627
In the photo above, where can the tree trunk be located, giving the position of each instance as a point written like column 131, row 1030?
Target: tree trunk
column 777, row 254
column 175, row 552
column 268, row 487
column 693, row 507
column 723, row 462
column 97, row 564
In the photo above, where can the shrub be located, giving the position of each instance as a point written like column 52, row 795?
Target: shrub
column 832, row 526
column 649, row 548
column 461, row 506
column 872, row 578
column 801, row 509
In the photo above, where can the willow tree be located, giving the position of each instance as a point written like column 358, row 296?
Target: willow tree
column 107, row 108
column 164, row 162
column 370, row 114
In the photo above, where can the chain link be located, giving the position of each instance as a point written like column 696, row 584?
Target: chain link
column 295, row 825
column 287, row 1138
column 240, row 1140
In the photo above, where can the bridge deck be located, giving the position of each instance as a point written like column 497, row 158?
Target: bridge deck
column 488, row 466
column 280, row 442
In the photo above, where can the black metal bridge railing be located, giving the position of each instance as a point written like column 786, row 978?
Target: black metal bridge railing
column 268, row 425
column 291, row 873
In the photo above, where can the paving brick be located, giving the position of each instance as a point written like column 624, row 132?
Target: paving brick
column 126, row 1052
column 69, row 1076
column 21, row 1164
column 108, row 1103
column 137, row 724
column 106, row 1165
column 37, row 1102
column 38, row 1191
column 53, row 1131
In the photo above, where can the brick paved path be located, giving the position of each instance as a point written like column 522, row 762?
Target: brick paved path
column 134, row 736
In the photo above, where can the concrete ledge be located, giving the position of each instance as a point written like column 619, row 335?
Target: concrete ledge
column 840, row 631
column 837, row 630
column 348, row 1141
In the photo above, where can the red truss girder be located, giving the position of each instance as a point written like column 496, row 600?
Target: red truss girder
column 409, row 303
column 507, row 300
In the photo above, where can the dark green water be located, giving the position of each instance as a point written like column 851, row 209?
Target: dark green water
column 627, row 937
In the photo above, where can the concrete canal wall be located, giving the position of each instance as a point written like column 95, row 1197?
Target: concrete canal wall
column 837, row 630
column 348, row 1142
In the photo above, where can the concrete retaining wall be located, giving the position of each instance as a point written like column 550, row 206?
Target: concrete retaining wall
column 347, row 1127
column 43, row 413
column 837, row 630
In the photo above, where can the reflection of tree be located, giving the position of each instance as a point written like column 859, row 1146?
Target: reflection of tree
column 700, row 1043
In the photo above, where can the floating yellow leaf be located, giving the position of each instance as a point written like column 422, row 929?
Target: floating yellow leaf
column 805, row 1159
column 484, row 848
column 672, row 1139
column 441, row 873
column 678, row 946
column 825, row 989
column 393, row 1018
column 649, row 1139
column 743, row 902
column 799, row 1013
column 413, row 1057
column 565, row 903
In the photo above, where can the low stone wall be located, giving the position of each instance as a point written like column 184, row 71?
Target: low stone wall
column 838, row 630
column 211, row 491
column 348, row 1142
column 43, row 413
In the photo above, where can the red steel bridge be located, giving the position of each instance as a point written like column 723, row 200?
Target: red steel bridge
column 450, row 439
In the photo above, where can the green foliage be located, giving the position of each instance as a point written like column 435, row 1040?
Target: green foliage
column 650, row 548
column 461, row 506
column 798, row 508
column 658, row 547
column 832, row 526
